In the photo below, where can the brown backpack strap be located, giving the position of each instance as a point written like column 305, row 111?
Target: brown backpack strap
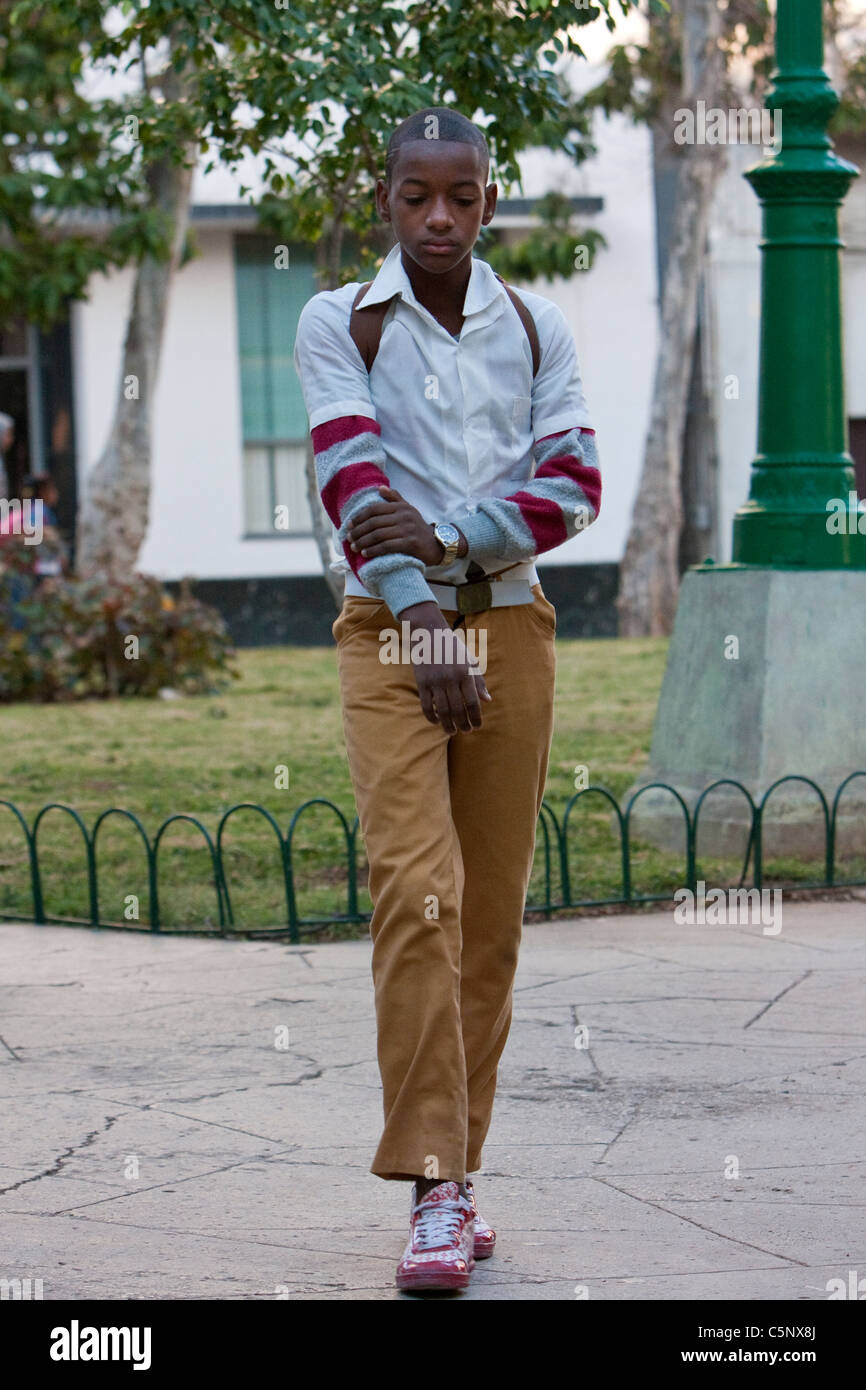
column 528, row 323
column 365, row 326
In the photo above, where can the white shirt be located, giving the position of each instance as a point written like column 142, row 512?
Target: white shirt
column 458, row 416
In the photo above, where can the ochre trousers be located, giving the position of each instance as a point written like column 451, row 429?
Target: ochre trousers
column 449, row 824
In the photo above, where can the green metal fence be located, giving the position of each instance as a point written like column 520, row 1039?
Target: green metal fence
column 553, row 844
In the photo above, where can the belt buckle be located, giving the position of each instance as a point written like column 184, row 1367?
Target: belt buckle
column 474, row 598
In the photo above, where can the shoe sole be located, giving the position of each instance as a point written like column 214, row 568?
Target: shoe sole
column 483, row 1252
column 434, row 1279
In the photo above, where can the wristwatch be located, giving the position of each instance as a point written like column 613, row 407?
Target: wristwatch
column 450, row 538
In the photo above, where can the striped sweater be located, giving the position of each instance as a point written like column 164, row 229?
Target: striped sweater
column 562, row 497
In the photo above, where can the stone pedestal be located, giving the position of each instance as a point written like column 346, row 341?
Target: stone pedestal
column 766, row 677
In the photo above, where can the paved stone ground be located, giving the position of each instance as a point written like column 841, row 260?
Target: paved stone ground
column 709, row 1049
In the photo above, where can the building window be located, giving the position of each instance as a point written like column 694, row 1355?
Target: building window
column 274, row 479
column 269, row 304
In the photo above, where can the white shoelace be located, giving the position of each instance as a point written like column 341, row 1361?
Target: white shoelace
column 437, row 1226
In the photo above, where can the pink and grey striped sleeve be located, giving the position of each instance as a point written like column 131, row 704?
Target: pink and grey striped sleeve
column 349, row 458
column 562, row 498
column 347, row 445
column 563, row 495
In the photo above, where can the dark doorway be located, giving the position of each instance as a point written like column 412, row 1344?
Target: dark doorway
column 58, row 424
column 36, row 392
column 857, row 450
column 13, row 402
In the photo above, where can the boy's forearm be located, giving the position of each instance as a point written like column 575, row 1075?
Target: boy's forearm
column 349, row 462
column 426, row 615
column 561, row 499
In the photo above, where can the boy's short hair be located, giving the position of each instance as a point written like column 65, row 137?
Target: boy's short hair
column 448, row 125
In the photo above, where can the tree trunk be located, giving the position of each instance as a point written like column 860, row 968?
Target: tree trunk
column 649, row 573
column 116, row 502
column 700, row 467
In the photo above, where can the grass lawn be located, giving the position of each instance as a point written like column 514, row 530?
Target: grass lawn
column 200, row 756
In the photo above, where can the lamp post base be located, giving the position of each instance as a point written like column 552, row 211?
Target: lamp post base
column 765, row 678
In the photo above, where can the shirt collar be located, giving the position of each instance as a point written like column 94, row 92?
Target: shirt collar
column 482, row 290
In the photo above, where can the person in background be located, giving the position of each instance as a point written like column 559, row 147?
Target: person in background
column 7, row 435
column 51, row 556
column 44, row 489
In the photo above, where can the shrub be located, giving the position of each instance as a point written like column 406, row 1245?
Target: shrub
column 68, row 638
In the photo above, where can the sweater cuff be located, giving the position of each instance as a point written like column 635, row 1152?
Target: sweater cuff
column 483, row 537
column 404, row 587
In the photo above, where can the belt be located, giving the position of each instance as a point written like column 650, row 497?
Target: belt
column 503, row 593
column 511, row 585
column 481, row 591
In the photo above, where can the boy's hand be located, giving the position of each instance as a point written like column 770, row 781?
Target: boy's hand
column 451, row 691
column 394, row 525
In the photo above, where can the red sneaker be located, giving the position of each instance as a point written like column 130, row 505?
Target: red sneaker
column 441, row 1234
column 485, row 1236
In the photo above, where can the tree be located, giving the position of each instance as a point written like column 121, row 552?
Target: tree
column 554, row 250
column 61, row 151
column 649, row 573
column 692, row 47
column 845, row 61
column 193, row 65
column 114, row 511
column 312, row 90
column 178, row 72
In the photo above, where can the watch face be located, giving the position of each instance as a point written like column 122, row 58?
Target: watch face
column 447, row 534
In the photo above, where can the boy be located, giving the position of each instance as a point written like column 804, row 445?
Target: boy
column 446, row 459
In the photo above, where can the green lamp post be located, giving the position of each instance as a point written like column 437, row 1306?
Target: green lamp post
column 802, row 462
column 767, row 661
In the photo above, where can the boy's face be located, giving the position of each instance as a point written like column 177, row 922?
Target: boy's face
column 438, row 201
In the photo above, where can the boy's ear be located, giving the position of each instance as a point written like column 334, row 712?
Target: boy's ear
column 382, row 207
column 491, row 193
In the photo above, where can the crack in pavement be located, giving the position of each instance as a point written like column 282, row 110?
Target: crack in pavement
column 155, row 1108
column 239, row 1090
column 588, row 1050
column 677, row 998
column 757, row 1199
column 71, row 1212
column 754, row 1168
column 581, row 975
column 504, row 1276
column 157, row 1186
column 17, row 985
column 789, row 940
column 303, row 955
column 11, row 1050
column 788, row 1075
column 62, row 1158
column 299, row 1080
column 815, row 1032
column 632, row 1117
column 777, row 997
column 660, row 960
column 709, row 1230
column 609, row 1035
